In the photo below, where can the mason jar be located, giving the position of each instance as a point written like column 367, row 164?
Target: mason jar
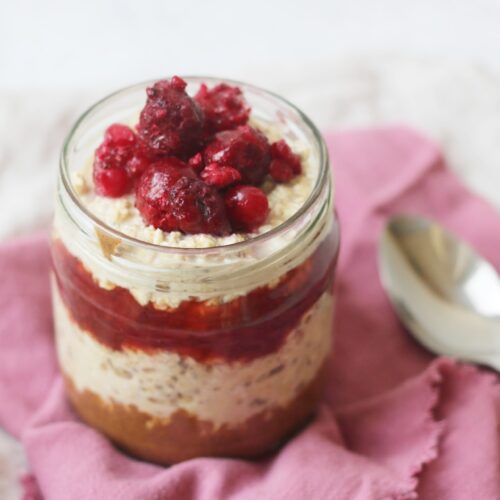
column 175, row 353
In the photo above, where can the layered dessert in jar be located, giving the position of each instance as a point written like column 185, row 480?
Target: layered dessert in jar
column 194, row 249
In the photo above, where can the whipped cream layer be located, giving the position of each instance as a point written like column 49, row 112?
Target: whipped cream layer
column 162, row 383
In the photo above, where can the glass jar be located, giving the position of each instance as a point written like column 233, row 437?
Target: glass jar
column 176, row 353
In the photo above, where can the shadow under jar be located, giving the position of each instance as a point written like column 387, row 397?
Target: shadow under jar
column 175, row 353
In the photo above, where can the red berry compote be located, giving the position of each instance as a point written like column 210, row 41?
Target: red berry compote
column 194, row 249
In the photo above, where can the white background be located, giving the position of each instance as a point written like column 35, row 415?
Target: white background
column 428, row 63
column 88, row 43
column 345, row 63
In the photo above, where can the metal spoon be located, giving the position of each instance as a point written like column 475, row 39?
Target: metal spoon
column 446, row 295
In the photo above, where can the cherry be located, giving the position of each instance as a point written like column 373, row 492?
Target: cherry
column 247, row 207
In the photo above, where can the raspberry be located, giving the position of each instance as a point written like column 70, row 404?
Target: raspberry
column 245, row 149
column 224, row 107
column 284, row 164
column 198, row 208
column 154, row 186
column 170, row 197
column 118, row 161
column 220, row 176
column 171, row 122
column 137, row 165
column 196, row 162
column 247, row 207
column 120, row 135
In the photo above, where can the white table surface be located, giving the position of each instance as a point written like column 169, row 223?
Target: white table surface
column 57, row 57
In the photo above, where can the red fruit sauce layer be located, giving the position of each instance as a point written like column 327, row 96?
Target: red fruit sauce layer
column 243, row 329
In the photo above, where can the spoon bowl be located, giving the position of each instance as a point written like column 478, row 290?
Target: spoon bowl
column 445, row 294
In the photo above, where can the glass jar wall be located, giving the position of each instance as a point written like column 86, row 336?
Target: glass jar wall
column 175, row 353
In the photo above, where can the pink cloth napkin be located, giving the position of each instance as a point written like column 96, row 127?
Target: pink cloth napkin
column 396, row 423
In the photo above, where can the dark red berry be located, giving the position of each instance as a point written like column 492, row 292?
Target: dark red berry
column 220, row 176
column 224, row 107
column 118, row 162
column 171, row 122
column 112, row 182
column 245, row 149
column 247, row 207
column 285, row 164
column 170, row 197
column 198, row 208
column 196, row 162
column 137, row 165
column 120, row 135
column 153, row 187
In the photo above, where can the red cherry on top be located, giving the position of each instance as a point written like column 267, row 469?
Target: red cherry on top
column 247, row 207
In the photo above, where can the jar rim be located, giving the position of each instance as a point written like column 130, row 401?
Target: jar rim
column 315, row 193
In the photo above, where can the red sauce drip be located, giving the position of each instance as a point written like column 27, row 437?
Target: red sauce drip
column 243, row 329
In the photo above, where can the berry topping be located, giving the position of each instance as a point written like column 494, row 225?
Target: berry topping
column 120, row 135
column 199, row 208
column 171, row 122
column 245, row 149
column 118, row 162
column 154, row 185
column 171, row 198
column 224, row 107
column 196, row 162
column 112, row 182
column 285, row 164
column 247, row 207
column 220, row 176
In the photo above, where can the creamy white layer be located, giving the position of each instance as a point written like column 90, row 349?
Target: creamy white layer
column 220, row 392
